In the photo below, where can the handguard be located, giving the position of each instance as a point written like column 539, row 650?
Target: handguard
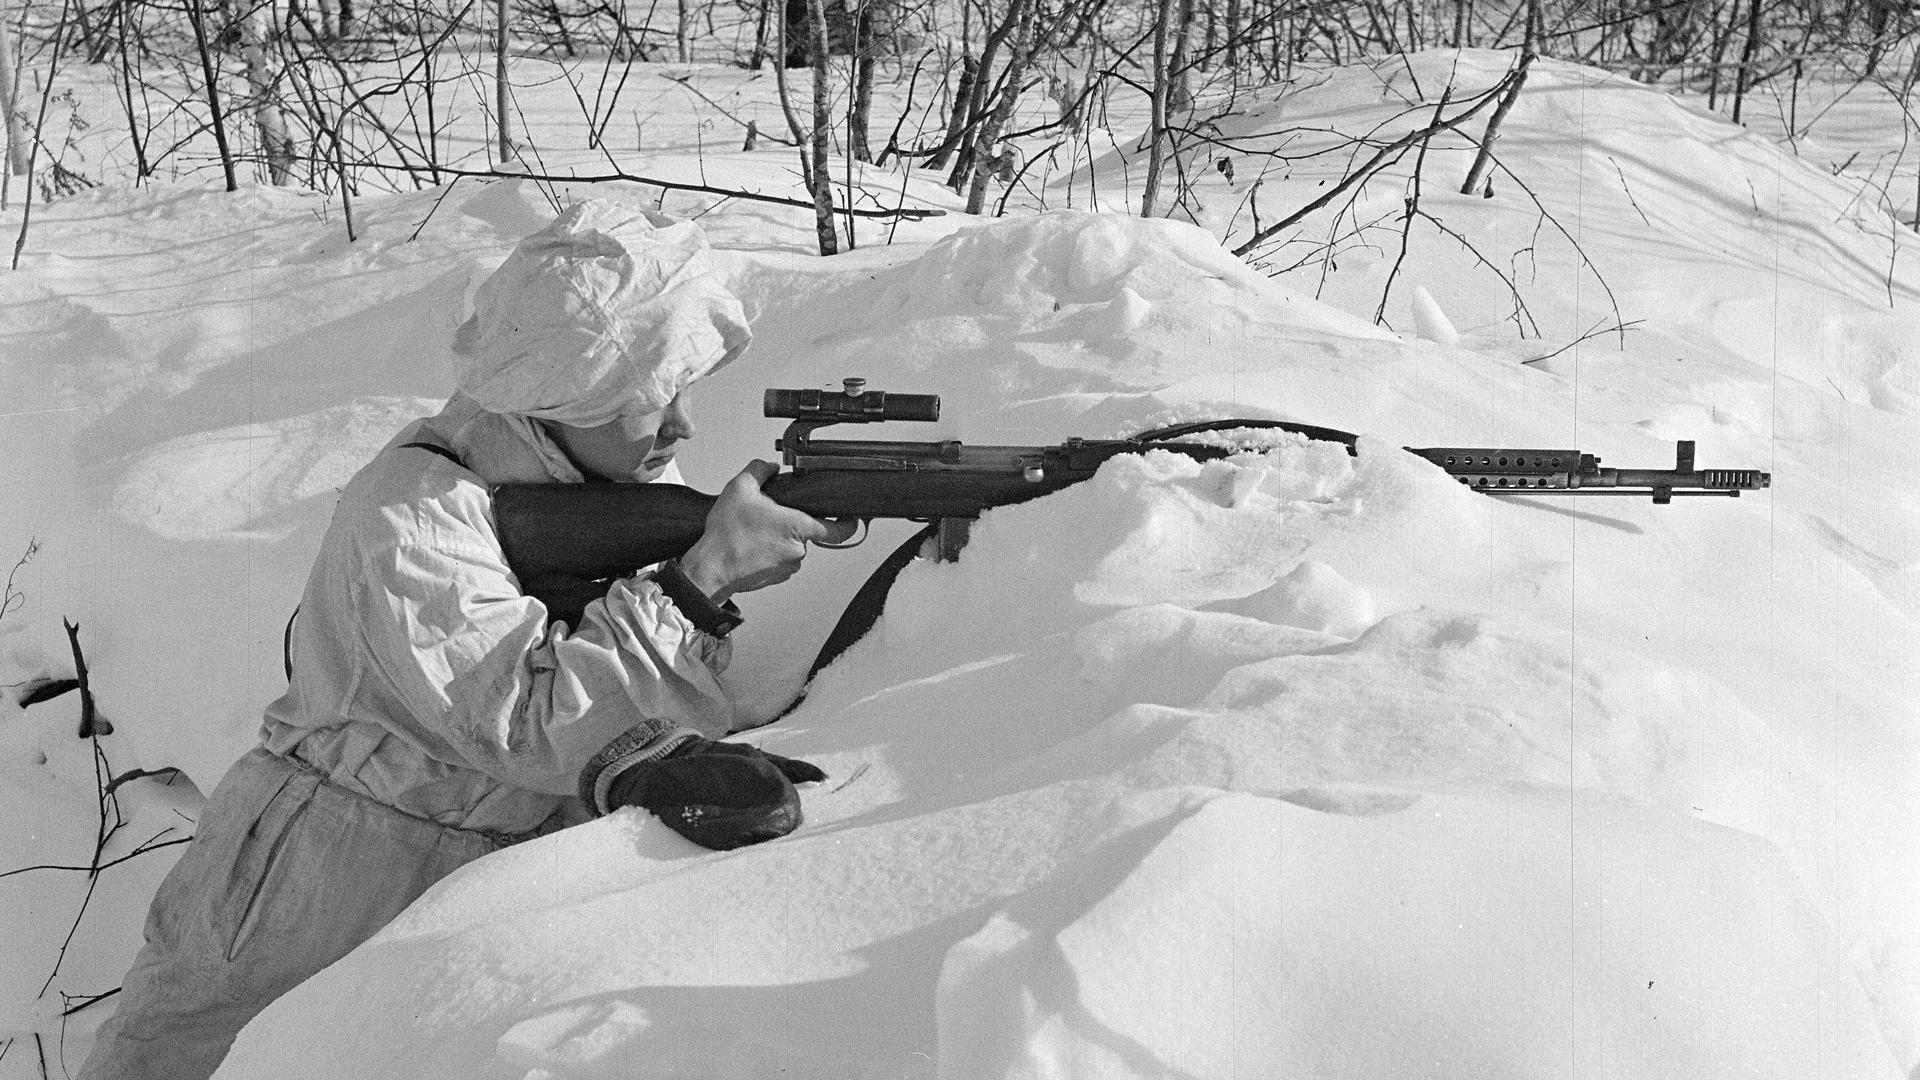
column 1570, row 472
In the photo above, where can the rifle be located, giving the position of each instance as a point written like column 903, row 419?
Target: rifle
column 566, row 542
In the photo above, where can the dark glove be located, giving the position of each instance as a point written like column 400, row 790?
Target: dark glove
column 718, row 795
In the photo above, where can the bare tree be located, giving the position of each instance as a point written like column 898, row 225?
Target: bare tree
column 211, row 75
column 1476, row 182
column 276, row 146
column 15, row 130
column 1157, row 130
column 989, row 158
column 1745, row 71
column 821, row 177
column 502, row 88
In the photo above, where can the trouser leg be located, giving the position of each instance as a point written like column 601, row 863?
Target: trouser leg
column 285, row 876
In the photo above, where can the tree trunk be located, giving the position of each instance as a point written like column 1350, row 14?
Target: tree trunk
column 1157, row 131
column 681, row 16
column 869, row 32
column 1877, row 15
column 1746, row 57
column 1483, row 161
column 977, row 97
column 134, row 133
column 987, row 159
column 760, row 37
column 1290, row 39
column 962, row 94
column 502, row 9
column 822, row 130
column 275, row 144
column 198, row 18
column 39, row 122
column 1180, row 94
column 1721, row 35
column 1233, row 36
column 786, row 101
column 17, row 144
column 1211, row 36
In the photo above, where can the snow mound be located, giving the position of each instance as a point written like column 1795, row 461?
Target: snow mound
column 1063, row 303
column 216, row 484
column 1127, row 835
column 1762, row 255
column 1258, row 939
column 1473, row 771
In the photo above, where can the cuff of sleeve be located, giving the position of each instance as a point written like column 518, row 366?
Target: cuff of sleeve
column 649, row 740
column 700, row 610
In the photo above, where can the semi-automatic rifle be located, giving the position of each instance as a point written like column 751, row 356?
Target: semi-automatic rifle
column 566, row 542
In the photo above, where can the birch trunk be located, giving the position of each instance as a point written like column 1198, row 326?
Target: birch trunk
column 1157, row 130
column 17, row 144
column 264, row 86
column 502, row 10
column 987, row 160
column 822, row 130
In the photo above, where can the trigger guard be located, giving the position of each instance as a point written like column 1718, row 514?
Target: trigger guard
column 859, row 538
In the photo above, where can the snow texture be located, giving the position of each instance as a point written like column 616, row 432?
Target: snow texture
column 1294, row 763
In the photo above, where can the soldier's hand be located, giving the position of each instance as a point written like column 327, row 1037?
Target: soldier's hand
column 751, row 541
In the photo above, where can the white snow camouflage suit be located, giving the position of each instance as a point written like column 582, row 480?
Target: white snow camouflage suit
column 433, row 716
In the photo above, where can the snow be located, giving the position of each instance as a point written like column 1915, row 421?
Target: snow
column 1291, row 763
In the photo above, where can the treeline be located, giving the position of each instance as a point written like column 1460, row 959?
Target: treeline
column 338, row 94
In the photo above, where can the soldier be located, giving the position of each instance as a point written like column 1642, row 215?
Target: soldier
column 434, row 713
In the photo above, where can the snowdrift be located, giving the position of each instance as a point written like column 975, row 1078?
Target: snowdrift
column 1322, row 740
column 1614, row 203
column 1293, row 763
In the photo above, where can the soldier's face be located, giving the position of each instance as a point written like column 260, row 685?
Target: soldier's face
column 630, row 448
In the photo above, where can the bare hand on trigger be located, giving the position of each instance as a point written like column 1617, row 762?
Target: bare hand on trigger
column 751, row 541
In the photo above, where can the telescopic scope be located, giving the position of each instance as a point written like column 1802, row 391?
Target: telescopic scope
column 854, row 405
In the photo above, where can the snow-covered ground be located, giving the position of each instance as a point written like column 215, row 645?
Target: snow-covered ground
column 1292, row 764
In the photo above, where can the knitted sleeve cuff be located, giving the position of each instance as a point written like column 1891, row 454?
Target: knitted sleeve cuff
column 700, row 610
column 649, row 740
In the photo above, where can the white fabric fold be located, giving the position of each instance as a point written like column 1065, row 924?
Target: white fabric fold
column 604, row 312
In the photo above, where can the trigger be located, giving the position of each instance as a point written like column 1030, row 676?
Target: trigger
column 858, row 539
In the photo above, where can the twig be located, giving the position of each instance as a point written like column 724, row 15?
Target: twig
column 101, row 769
column 685, row 83
column 1612, row 301
column 1520, row 309
column 91, row 723
column 135, row 853
column 91, row 999
column 857, row 774
column 910, row 213
column 1413, row 205
column 1592, row 332
column 53, row 66
column 12, row 598
column 1000, row 209
column 1623, row 186
column 131, row 775
column 1378, row 161
column 431, row 210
